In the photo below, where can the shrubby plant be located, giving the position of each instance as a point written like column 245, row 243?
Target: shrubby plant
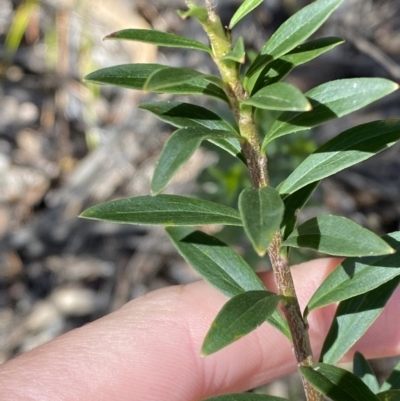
column 362, row 284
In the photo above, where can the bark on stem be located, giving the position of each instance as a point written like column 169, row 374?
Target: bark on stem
column 257, row 164
column 291, row 309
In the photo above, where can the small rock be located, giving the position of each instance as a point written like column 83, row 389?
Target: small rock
column 73, row 268
column 74, row 301
column 10, row 263
column 43, row 314
column 28, row 113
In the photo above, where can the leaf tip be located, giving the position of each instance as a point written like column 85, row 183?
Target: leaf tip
column 110, row 36
column 204, row 351
column 86, row 214
column 261, row 253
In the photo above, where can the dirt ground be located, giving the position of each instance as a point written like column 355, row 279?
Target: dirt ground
column 66, row 145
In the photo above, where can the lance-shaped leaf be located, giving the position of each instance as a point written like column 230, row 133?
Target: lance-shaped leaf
column 262, row 213
column 239, row 316
column 390, row 395
column 246, row 397
column 337, row 384
column 220, row 266
column 337, row 235
column 363, row 370
column 134, row 76
column 171, row 77
column 329, row 101
column 352, row 319
column 355, row 276
column 393, row 381
column 238, row 53
column 166, row 210
column 178, row 149
column 184, row 115
column 294, row 31
column 159, row 38
column 245, row 8
column 279, row 96
column 215, row 261
column 347, row 149
column 279, row 68
column 294, row 203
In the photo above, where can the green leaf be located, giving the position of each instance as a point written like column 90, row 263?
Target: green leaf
column 245, row 397
column 390, row 395
column 329, row 101
column 348, row 148
column 159, row 38
column 393, row 381
column 167, row 210
column 293, row 204
column 134, row 76
column 294, row 31
column 336, row 235
column 171, row 77
column 353, row 317
column 184, row 115
column 262, row 213
column 279, row 68
column 238, row 53
column 363, row 370
column 220, row 266
column 239, row 316
column 355, row 276
column 215, row 261
column 279, row 96
column 178, row 149
column 245, row 8
column 336, row 383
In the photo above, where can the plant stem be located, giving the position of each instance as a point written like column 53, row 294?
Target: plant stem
column 291, row 309
column 257, row 164
column 221, row 45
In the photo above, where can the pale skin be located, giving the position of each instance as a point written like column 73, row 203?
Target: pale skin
column 149, row 350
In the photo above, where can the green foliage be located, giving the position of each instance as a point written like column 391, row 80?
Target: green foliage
column 279, row 96
column 331, row 234
column 165, row 210
column 352, row 319
column 279, row 68
column 246, row 7
column 329, row 101
column 362, row 283
column 345, row 150
column 337, row 384
column 239, row 316
column 262, row 212
column 185, row 115
column 363, row 370
column 177, row 151
column 355, row 276
column 293, row 32
column 135, row 76
column 159, row 38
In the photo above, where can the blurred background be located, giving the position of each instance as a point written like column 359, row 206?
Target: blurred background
column 66, row 145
